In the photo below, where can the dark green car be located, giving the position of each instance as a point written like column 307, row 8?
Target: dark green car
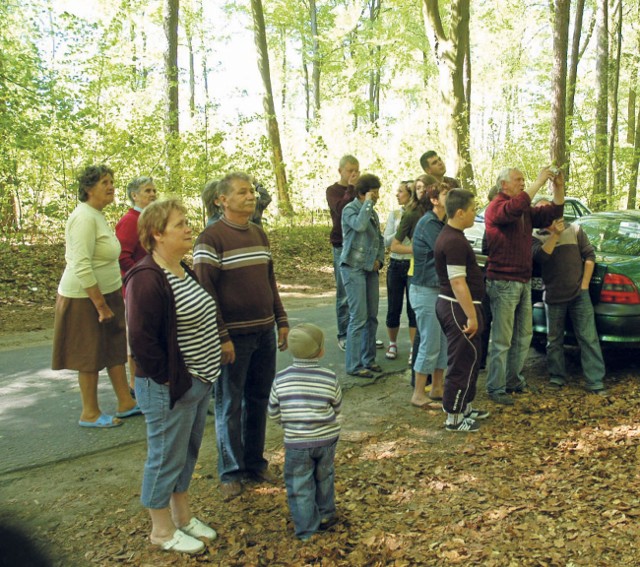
column 615, row 282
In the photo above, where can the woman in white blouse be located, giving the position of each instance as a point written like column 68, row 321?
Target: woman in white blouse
column 89, row 331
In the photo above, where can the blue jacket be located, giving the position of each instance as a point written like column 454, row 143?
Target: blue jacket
column 424, row 244
column 362, row 242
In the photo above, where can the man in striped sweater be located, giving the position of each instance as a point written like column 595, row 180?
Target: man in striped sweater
column 232, row 260
column 306, row 399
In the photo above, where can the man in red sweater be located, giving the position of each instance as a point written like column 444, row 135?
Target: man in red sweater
column 339, row 195
column 509, row 221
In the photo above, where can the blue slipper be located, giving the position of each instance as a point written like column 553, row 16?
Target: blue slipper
column 103, row 422
column 135, row 410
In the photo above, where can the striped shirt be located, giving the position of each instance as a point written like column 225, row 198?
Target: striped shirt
column 306, row 399
column 233, row 263
column 196, row 317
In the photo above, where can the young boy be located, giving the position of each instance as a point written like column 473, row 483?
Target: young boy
column 459, row 311
column 306, row 399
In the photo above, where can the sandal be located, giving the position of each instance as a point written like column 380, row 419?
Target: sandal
column 392, row 352
column 362, row 373
column 375, row 367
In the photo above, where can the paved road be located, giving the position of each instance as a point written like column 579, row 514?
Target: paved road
column 39, row 408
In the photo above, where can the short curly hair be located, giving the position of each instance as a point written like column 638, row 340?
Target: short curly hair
column 90, row 177
column 154, row 219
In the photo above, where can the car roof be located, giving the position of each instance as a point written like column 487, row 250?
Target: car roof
column 632, row 215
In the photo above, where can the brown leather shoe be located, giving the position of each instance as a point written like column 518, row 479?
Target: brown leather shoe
column 264, row 476
column 231, row 489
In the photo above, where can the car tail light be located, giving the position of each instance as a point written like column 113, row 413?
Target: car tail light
column 617, row 288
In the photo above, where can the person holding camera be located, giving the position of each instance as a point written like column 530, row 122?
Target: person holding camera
column 509, row 221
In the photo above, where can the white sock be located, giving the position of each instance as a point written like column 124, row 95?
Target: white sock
column 467, row 410
column 454, row 418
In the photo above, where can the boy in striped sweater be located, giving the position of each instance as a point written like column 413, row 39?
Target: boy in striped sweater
column 306, row 399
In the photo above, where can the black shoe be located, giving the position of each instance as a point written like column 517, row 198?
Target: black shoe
column 501, row 398
column 327, row 523
column 375, row 367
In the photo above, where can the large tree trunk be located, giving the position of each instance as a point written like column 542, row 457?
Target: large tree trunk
column 284, row 203
column 613, row 102
column 633, row 182
column 172, row 123
column 602, row 98
column 450, row 53
column 571, row 85
column 558, row 109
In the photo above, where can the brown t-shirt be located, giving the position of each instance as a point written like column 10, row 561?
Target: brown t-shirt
column 453, row 249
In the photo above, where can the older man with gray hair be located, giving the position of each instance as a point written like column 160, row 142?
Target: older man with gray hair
column 509, row 221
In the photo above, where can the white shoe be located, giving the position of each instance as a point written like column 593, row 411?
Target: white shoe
column 182, row 543
column 196, row 528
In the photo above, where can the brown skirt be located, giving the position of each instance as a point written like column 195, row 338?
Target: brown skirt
column 80, row 342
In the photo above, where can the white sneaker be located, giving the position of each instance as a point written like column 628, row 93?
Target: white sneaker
column 342, row 344
column 182, row 543
column 196, row 528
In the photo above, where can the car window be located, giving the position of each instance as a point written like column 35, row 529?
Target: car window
column 613, row 236
column 570, row 212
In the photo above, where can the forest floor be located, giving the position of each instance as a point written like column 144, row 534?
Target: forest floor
column 552, row 481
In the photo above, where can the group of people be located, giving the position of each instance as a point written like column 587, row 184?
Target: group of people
column 214, row 330
column 439, row 295
column 190, row 332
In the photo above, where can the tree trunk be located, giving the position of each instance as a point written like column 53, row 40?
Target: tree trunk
column 374, row 61
column 558, row 109
column 172, row 122
column 450, row 54
column 633, row 182
column 284, row 203
column 315, row 58
column 192, row 72
column 631, row 105
column 571, row 85
column 602, row 97
column 613, row 102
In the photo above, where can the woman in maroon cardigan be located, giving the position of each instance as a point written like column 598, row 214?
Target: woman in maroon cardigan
column 174, row 340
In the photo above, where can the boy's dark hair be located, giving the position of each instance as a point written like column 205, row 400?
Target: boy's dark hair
column 458, row 199
column 366, row 182
column 425, row 157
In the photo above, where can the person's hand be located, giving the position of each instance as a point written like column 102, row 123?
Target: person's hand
column 105, row 315
column 545, row 175
column 471, row 328
column 557, row 226
column 368, row 196
column 228, row 353
column 558, row 181
column 283, row 333
column 377, row 266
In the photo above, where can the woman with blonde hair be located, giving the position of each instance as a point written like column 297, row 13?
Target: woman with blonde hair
column 174, row 340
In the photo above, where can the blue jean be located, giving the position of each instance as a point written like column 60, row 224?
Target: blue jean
column 241, row 399
column 580, row 310
column 342, row 309
column 511, row 332
column 309, row 478
column 432, row 352
column 397, row 289
column 174, row 437
column 363, row 296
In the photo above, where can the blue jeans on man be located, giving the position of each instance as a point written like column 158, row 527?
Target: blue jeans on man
column 241, row 399
column 363, row 296
column 511, row 332
column 342, row 309
column 309, row 478
column 580, row 310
